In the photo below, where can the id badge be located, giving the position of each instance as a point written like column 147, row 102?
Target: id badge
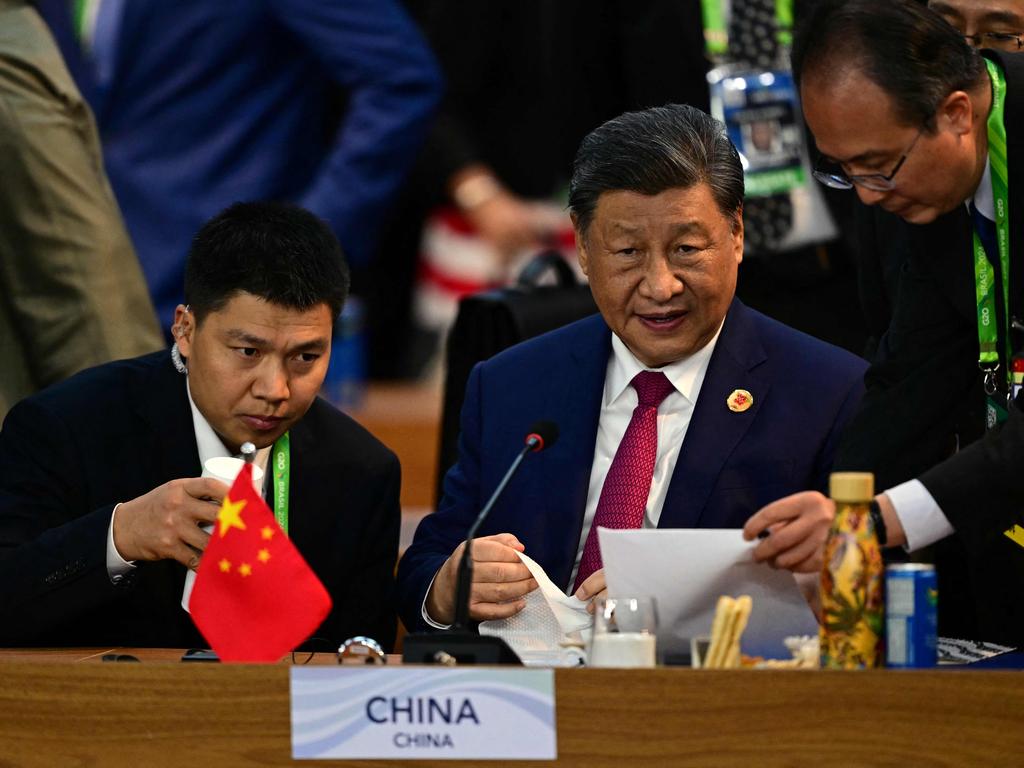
column 995, row 412
column 762, row 118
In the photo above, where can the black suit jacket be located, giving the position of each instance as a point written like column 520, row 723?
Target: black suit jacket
column 924, row 395
column 112, row 433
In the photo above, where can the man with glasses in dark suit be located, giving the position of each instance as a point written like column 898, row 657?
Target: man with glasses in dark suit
column 921, row 126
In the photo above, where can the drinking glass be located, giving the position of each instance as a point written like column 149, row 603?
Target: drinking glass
column 625, row 632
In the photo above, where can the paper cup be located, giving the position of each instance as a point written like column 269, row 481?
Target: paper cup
column 225, row 469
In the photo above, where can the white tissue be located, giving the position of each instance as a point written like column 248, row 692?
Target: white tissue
column 552, row 630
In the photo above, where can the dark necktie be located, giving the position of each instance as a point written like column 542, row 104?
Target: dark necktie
column 628, row 482
column 986, row 229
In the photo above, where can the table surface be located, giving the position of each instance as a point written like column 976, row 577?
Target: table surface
column 67, row 707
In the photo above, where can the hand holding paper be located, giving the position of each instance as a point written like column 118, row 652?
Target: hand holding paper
column 687, row 570
column 797, row 527
column 593, row 587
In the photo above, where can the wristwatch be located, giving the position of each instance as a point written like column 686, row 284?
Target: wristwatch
column 878, row 522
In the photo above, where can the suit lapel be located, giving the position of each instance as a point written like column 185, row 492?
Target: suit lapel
column 163, row 405
column 948, row 239
column 738, row 362
column 308, row 532
column 170, row 453
column 576, row 402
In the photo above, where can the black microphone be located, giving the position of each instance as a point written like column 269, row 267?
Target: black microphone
column 458, row 644
column 543, row 434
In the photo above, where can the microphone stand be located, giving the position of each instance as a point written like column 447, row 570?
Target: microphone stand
column 460, row 645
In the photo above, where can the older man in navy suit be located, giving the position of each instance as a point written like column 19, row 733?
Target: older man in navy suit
column 678, row 406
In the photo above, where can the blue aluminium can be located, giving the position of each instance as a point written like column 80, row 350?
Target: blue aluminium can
column 911, row 615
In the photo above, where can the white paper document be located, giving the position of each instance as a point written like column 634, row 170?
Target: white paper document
column 548, row 631
column 687, row 570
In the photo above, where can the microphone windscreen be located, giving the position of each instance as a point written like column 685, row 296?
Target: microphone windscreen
column 547, row 431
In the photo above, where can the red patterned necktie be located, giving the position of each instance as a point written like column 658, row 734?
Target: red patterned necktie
column 628, row 482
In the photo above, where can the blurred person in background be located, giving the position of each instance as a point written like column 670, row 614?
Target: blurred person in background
column 71, row 291
column 526, row 80
column 199, row 104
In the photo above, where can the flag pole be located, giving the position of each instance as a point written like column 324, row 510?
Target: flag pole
column 248, row 451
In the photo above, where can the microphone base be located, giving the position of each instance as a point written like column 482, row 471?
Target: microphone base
column 463, row 647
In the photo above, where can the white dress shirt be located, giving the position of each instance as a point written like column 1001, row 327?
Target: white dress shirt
column 922, row 519
column 617, row 405
column 209, row 446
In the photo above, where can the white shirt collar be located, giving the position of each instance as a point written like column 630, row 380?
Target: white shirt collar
column 984, row 199
column 209, row 443
column 686, row 374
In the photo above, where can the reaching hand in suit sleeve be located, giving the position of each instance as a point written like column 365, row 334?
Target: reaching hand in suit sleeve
column 798, row 525
column 164, row 523
column 500, row 581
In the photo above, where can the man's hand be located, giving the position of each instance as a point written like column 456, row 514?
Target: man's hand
column 164, row 523
column 593, row 587
column 511, row 224
column 500, row 581
column 797, row 527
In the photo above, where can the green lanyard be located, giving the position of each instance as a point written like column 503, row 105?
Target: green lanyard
column 984, row 273
column 280, row 458
column 83, row 21
column 716, row 34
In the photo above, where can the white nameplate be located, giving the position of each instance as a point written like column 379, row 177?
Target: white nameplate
column 419, row 713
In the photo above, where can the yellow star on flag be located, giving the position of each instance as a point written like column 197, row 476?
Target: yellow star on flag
column 225, row 565
column 230, row 515
column 263, row 556
column 267, row 533
column 245, row 569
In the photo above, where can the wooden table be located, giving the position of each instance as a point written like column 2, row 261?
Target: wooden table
column 62, row 708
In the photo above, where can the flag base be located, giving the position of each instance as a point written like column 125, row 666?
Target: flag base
column 462, row 647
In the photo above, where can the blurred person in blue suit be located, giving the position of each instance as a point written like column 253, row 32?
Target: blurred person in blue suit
column 748, row 408
column 201, row 104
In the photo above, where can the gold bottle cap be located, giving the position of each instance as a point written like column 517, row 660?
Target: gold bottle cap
column 851, row 486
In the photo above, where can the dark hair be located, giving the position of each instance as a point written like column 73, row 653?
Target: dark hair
column 674, row 146
column 908, row 51
column 279, row 252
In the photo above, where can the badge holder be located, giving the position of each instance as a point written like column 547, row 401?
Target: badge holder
column 763, row 120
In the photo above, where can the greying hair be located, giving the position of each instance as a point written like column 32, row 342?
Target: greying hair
column 651, row 151
column 905, row 49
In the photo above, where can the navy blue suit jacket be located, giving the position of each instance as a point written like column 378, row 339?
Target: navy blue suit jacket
column 115, row 432
column 201, row 104
column 730, row 464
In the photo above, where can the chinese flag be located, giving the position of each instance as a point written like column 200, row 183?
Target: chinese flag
column 255, row 598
